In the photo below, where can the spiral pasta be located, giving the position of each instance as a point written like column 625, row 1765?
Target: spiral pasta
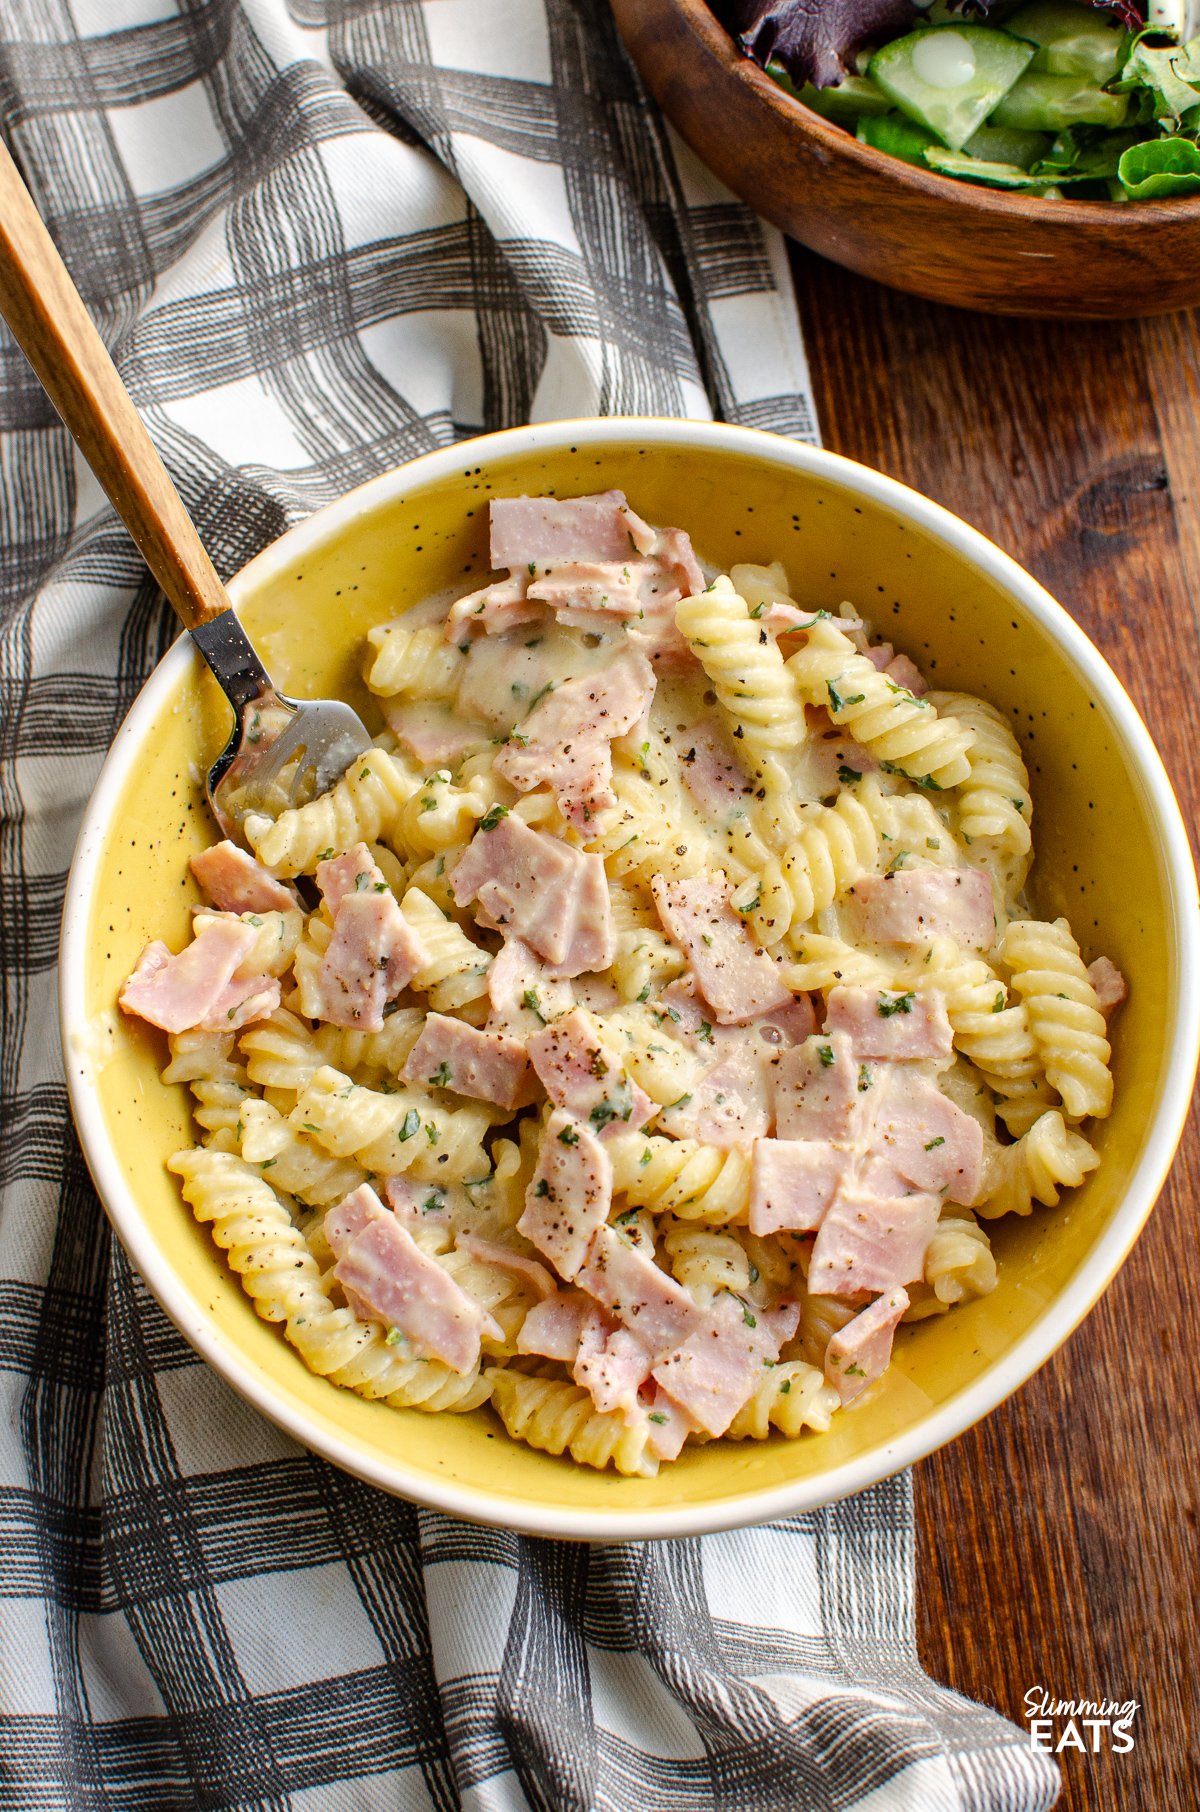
column 363, row 804
column 792, row 1396
column 994, row 807
column 455, row 970
column 412, row 662
column 901, row 731
column 994, row 1034
column 1047, row 1159
column 680, row 1176
column 838, row 845
column 558, row 1417
column 1064, row 1014
column 707, row 1262
column 747, row 670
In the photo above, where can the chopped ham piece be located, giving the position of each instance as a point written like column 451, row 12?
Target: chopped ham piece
column 345, row 1221
column 860, row 1352
column 1109, row 983
column 581, row 1073
column 566, row 741
column 179, row 992
column 384, row 1268
column 527, row 1270
column 886, row 1023
column 434, row 734
column 552, row 896
column 354, row 871
column 902, row 672
column 235, row 882
column 919, row 1139
column 712, row 774
column 569, row 1195
column 497, row 607
column 673, row 546
column 639, row 1293
column 583, row 593
column 552, row 1329
column 792, row 1182
column 868, row 1242
column 539, row 530
column 915, row 905
column 611, row 1363
column 833, row 760
column 373, row 953
column 242, row 1002
column 487, row 1066
column 738, row 982
column 816, row 1089
column 718, row 1367
column 728, row 1105
column 523, row 993
column 411, row 1202
column 669, row 1426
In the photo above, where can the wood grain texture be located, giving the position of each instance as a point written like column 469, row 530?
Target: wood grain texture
column 1058, row 1540
column 54, row 330
column 951, row 241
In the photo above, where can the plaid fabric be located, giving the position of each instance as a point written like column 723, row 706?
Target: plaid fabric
column 321, row 236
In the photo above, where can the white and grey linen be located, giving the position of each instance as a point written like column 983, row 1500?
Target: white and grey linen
column 321, row 236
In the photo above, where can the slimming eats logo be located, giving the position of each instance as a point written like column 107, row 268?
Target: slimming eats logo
column 1084, row 1724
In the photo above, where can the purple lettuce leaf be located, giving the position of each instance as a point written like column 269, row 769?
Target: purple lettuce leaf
column 816, row 40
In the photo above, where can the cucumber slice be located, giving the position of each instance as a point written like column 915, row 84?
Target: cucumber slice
column 1049, row 103
column 1000, row 145
column 950, row 77
column 898, row 136
column 993, row 176
column 854, row 98
column 1070, row 39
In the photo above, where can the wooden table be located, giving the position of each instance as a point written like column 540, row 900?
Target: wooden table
column 1058, row 1542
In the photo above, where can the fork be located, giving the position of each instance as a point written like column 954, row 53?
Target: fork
column 281, row 752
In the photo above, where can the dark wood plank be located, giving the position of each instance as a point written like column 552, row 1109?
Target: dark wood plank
column 1057, row 1541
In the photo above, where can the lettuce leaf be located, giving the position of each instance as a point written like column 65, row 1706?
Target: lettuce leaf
column 1159, row 168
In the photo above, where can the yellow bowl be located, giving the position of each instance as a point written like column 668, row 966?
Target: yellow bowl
column 1112, row 854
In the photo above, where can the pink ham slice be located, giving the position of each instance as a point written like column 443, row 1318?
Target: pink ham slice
column 902, row 1026
column 524, row 995
column 539, row 530
column 566, row 741
column 569, row 1194
column 711, row 773
column 585, row 1076
column 738, row 982
column 639, row 1294
column 611, row 1364
column 383, row 1268
column 718, row 1367
column 487, row 1066
column 916, row 905
column 344, row 1222
column 235, row 882
column 432, row 732
column 373, row 953
column 353, row 871
column 861, row 1351
column 553, row 1328
column 497, row 607
column 792, row 1183
column 673, row 547
column 543, row 891
column 816, row 1089
column 179, row 992
column 920, row 1140
column 527, row 1270
column 1110, row 985
column 728, row 1105
column 242, row 1003
column 869, row 1243
column 582, row 593
column 898, row 668
column 669, row 1426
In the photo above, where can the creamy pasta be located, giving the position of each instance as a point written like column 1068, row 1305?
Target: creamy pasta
column 648, row 1024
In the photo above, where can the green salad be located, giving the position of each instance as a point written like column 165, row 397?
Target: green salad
column 1049, row 97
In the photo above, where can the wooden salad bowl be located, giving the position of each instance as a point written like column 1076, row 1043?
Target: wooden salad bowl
column 946, row 240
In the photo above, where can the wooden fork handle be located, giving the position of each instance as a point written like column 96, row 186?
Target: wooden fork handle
column 54, row 330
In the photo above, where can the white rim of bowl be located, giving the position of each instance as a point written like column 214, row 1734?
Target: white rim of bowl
column 964, row 1409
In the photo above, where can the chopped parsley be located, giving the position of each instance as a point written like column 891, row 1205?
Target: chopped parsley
column 785, row 1387
column 617, row 1106
column 682, row 1102
column 748, row 1318
column 855, row 1371
column 656, row 1415
column 645, row 1158
column 541, row 1187
column 530, row 999
column 848, row 775
column 934, row 1143
column 568, row 1136
column 492, row 817
column 864, row 1078
column 410, row 1125
column 441, row 1076
column 645, row 993
column 901, row 1003
column 431, row 1132
column 825, row 1053
column 998, row 1003
column 704, row 1032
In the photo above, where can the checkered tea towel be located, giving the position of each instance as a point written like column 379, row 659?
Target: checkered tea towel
column 321, row 236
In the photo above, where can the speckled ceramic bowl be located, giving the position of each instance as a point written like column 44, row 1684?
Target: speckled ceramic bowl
column 1112, row 854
